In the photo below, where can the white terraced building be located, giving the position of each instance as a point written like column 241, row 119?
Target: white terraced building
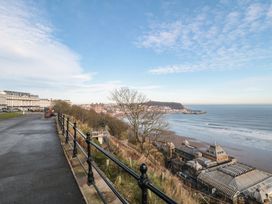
column 3, row 101
column 22, row 100
column 45, row 103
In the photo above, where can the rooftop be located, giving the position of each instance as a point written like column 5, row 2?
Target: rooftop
column 236, row 169
column 234, row 178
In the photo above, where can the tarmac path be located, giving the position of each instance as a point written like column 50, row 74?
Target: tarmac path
column 33, row 168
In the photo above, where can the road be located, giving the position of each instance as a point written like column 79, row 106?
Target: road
column 33, row 168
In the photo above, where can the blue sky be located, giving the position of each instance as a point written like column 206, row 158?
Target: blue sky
column 185, row 51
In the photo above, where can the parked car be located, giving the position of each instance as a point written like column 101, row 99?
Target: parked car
column 5, row 110
column 15, row 110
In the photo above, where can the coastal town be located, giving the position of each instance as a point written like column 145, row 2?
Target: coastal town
column 14, row 100
column 135, row 102
column 212, row 171
column 162, row 107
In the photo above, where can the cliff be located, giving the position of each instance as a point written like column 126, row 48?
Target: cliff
column 172, row 105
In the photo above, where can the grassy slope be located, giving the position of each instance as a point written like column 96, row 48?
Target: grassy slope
column 158, row 175
column 128, row 186
column 9, row 115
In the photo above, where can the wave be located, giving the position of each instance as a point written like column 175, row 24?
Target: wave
column 264, row 133
column 248, row 127
column 214, row 124
column 217, row 130
column 220, row 127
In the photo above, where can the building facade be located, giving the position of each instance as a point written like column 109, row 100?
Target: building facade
column 22, row 101
column 222, row 176
column 45, row 103
column 3, row 101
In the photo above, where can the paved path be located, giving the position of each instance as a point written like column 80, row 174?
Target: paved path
column 33, row 168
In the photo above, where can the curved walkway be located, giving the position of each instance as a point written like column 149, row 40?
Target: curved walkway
column 33, row 168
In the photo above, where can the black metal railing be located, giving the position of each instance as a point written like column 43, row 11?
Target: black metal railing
column 142, row 179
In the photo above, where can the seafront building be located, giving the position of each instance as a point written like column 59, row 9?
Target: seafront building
column 22, row 101
column 215, row 172
column 236, row 181
column 45, row 103
column 3, row 100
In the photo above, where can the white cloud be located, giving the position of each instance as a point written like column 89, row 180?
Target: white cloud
column 214, row 38
column 269, row 12
column 225, row 59
column 173, row 69
column 32, row 58
column 28, row 48
column 165, row 37
column 254, row 12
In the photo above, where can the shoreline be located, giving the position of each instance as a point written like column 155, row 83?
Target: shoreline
column 254, row 157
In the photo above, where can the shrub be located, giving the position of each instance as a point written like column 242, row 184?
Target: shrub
column 92, row 119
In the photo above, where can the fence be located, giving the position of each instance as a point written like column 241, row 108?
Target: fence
column 142, row 179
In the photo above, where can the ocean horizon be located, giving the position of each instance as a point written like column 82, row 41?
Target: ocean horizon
column 230, row 125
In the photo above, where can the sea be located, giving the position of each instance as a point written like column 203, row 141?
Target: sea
column 235, row 126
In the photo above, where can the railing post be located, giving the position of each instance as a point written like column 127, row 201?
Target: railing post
column 60, row 119
column 67, row 131
column 75, row 140
column 63, row 124
column 142, row 183
column 89, row 160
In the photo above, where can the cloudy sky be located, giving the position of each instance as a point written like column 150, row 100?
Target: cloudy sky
column 185, row 51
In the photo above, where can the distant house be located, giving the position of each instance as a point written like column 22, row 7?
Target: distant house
column 217, row 153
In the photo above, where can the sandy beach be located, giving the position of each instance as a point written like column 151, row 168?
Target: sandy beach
column 254, row 157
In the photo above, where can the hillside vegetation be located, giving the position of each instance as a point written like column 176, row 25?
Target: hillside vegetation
column 172, row 105
column 130, row 155
column 92, row 119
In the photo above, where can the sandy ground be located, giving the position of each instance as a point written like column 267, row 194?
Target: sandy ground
column 258, row 158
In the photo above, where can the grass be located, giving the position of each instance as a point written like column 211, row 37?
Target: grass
column 4, row 116
column 127, row 185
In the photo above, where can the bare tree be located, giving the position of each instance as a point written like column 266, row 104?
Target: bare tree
column 144, row 121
